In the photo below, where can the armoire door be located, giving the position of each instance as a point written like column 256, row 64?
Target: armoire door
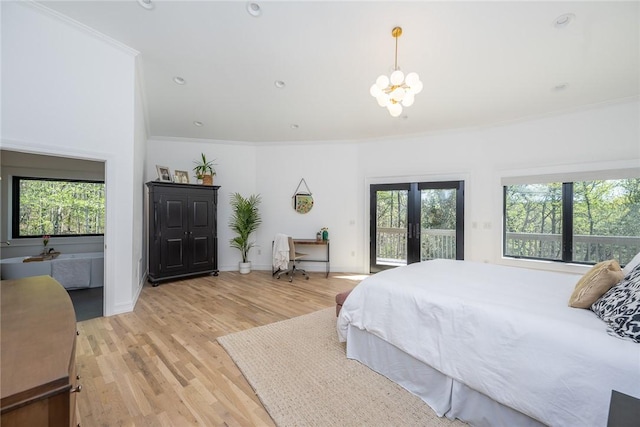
column 418, row 221
column 174, row 234
column 201, row 232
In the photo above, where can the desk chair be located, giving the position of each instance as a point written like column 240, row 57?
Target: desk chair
column 293, row 258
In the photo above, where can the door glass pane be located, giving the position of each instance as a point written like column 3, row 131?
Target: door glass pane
column 437, row 224
column 391, row 227
column 606, row 220
column 533, row 221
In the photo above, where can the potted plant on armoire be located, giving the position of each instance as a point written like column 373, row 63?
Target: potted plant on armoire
column 204, row 170
column 245, row 219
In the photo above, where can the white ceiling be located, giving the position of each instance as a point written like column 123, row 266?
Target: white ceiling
column 481, row 63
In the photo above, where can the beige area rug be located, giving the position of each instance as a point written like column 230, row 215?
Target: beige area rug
column 301, row 374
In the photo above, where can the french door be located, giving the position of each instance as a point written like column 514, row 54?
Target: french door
column 416, row 221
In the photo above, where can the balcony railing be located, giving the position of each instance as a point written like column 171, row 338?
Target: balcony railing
column 391, row 244
column 585, row 248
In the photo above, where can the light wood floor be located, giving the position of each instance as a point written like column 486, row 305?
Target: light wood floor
column 161, row 364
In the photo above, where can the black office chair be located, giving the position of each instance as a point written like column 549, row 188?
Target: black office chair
column 293, row 258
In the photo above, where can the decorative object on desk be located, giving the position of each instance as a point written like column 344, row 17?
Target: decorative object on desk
column 245, row 219
column 302, row 200
column 163, row 173
column 319, row 236
column 204, row 169
column 45, row 242
column 325, row 233
column 182, row 177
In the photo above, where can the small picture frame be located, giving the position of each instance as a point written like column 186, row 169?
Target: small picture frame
column 164, row 174
column 182, row 177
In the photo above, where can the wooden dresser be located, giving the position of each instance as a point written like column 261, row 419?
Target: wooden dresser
column 38, row 373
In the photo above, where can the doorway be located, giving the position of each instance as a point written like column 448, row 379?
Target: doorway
column 415, row 221
column 88, row 302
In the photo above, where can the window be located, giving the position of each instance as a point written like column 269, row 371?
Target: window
column 57, row 207
column 581, row 222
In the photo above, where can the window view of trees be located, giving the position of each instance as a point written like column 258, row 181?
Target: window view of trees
column 391, row 222
column 599, row 221
column 533, row 218
column 438, row 224
column 57, row 207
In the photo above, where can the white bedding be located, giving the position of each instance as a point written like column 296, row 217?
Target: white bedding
column 505, row 332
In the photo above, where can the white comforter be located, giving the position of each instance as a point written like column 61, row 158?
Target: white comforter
column 506, row 332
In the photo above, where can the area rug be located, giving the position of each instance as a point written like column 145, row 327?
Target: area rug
column 301, row 374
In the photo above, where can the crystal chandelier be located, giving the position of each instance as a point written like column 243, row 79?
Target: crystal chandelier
column 396, row 91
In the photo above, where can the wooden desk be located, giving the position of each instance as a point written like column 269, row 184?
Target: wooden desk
column 38, row 353
column 314, row 242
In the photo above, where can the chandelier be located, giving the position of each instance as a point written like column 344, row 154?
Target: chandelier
column 396, row 91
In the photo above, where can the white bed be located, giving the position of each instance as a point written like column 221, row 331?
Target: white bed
column 489, row 344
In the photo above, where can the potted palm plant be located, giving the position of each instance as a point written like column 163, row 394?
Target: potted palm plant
column 245, row 219
column 204, row 170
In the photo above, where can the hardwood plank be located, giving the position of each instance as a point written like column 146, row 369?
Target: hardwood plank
column 161, row 364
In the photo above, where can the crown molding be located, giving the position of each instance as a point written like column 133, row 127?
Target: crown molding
column 79, row 26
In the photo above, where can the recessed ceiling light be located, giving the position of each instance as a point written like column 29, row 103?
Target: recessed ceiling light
column 560, row 87
column 294, row 126
column 179, row 80
column 254, row 9
column 197, row 123
column 146, row 4
column 279, row 84
column 564, row 20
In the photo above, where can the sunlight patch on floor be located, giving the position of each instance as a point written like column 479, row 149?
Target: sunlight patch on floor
column 354, row 277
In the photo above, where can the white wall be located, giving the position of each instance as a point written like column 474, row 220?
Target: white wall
column 331, row 171
column 69, row 93
column 139, row 248
column 606, row 137
column 339, row 175
column 235, row 173
column 274, row 172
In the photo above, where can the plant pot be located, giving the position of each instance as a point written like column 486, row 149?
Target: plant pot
column 207, row 179
column 245, row 267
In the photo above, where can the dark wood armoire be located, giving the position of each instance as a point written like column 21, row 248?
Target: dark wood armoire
column 183, row 230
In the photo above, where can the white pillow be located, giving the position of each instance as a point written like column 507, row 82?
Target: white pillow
column 631, row 265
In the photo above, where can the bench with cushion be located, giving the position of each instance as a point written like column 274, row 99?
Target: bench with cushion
column 340, row 299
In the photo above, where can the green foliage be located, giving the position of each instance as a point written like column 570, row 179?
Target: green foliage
column 437, row 212
column 245, row 219
column 61, row 208
column 602, row 209
column 438, row 209
column 204, row 167
column 391, row 209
